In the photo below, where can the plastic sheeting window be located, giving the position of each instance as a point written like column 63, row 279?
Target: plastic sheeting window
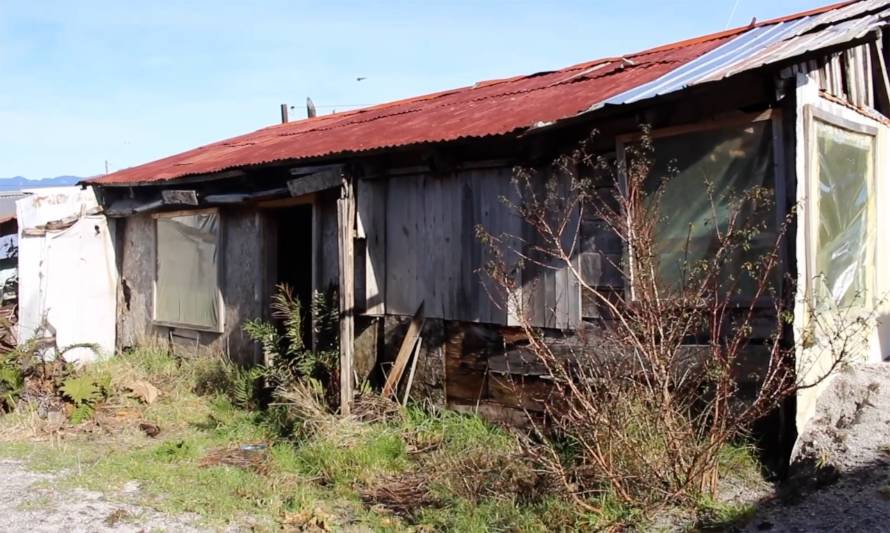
column 843, row 171
column 732, row 161
column 187, row 270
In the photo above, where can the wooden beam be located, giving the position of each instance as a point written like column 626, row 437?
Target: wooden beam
column 417, row 347
column 398, row 368
column 882, row 80
column 179, row 197
column 319, row 181
column 345, row 236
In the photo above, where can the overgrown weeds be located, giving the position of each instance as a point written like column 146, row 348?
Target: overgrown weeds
column 385, row 467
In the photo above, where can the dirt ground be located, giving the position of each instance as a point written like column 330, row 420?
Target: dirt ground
column 30, row 502
column 840, row 478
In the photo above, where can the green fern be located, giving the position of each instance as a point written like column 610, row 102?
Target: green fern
column 288, row 309
column 82, row 413
column 81, row 390
column 288, row 360
column 325, row 309
column 265, row 334
column 12, row 382
column 246, row 386
column 85, row 392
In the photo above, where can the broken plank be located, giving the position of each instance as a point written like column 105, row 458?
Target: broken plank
column 407, row 346
column 417, row 348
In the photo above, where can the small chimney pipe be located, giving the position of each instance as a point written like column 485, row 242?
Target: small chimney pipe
column 284, row 114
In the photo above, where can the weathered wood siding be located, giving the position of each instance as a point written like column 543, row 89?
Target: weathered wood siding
column 242, row 282
column 421, row 246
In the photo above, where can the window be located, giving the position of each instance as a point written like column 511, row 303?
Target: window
column 186, row 283
column 841, row 173
column 731, row 160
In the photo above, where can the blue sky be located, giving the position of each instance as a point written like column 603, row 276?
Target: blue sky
column 82, row 82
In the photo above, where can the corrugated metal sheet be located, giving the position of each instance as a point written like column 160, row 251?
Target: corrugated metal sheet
column 766, row 45
column 499, row 107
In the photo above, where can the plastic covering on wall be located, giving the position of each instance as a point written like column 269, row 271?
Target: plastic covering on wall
column 844, row 162
column 187, row 288
column 68, row 275
column 731, row 161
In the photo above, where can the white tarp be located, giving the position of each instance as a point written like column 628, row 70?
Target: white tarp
column 67, row 277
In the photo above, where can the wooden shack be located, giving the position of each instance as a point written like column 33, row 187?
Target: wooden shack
column 383, row 202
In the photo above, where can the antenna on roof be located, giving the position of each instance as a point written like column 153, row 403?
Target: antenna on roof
column 310, row 107
column 732, row 14
column 284, row 119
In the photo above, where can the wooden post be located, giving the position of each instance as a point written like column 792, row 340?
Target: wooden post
column 345, row 236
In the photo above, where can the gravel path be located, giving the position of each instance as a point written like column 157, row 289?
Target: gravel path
column 29, row 502
column 841, row 472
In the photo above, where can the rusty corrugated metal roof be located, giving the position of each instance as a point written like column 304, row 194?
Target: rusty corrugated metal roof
column 488, row 108
column 766, row 44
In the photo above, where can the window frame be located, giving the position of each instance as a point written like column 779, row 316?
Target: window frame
column 220, row 325
column 779, row 179
column 813, row 113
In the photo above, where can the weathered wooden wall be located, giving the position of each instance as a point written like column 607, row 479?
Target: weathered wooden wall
column 242, row 282
column 420, row 237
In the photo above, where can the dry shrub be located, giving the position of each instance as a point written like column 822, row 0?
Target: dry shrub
column 646, row 396
column 305, row 403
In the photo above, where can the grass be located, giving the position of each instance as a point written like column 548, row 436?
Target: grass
column 475, row 475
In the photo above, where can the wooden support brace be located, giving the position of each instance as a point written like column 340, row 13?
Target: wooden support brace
column 882, row 94
column 398, row 368
column 410, row 381
column 345, row 236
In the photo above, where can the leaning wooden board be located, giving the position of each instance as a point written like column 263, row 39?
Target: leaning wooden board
column 398, row 367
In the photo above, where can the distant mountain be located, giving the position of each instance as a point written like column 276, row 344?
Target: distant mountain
column 18, row 183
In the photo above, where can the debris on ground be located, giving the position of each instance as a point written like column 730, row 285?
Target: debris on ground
column 151, row 430
column 248, row 457
column 143, row 391
column 402, row 495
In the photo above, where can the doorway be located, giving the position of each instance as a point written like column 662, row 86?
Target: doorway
column 293, row 258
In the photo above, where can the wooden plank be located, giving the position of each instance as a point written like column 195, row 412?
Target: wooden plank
column 466, row 310
column 371, row 204
column 448, row 235
column 882, row 81
column 417, row 351
column 326, row 179
column 433, row 256
column 346, row 234
column 487, row 192
column 398, row 367
column 399, row 248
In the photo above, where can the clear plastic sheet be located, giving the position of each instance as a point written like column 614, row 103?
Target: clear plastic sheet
column 843, row 170
column 187, row 288
column 731, row 160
